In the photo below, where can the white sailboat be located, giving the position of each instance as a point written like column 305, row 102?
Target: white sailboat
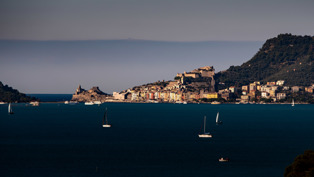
column 10, row 111
column 105, row 121
column 205, row 134
column 223, row 159
column 292, row 104
column 217, row 119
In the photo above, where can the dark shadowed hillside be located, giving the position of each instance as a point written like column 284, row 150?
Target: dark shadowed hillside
column 303, row 166
column 285, row 57
column 8, row 94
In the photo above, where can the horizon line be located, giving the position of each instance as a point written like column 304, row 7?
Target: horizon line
column 144, row 40
column 128, row 39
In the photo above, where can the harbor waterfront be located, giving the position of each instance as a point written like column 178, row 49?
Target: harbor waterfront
column 55, row 139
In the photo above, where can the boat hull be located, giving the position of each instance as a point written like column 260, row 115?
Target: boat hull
column 205, row 136
column 223, row 160
column 219, row 122
column 106, row 126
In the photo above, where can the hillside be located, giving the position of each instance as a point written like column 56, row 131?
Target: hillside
column 303, row 165
column 8, row 94
column 285, row 57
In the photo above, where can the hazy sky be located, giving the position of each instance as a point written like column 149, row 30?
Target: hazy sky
column 169, row 20
column 59, row 66
column 54, row 61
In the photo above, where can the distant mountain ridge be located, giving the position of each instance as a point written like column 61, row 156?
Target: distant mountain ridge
column 285, row 57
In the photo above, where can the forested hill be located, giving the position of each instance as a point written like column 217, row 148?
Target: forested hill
column 285, row 57
column 8, row 94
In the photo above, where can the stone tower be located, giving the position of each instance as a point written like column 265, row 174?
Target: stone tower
column 78, row 90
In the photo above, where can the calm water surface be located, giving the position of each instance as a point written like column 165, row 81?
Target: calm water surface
column 152, row 140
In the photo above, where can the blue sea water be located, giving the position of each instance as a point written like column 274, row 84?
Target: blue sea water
column 152, row 140
column 52, row 97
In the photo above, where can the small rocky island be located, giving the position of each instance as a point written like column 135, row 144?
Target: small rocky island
column 94, row 94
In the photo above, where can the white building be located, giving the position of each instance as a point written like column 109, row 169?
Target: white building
column 280, row 82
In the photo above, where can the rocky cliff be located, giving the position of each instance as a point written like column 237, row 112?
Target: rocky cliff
column 94, row 94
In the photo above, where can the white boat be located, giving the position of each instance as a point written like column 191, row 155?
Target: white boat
column 89, row 103
column 73, row 102
column 97, row 102
column 34, row 103
column 292, row 104
column 215, row 102
column 223, row 159
column 205, row 134
column 105, row 121
column 3, row 102
column 10, row 111
column 66, row 102
column 217, row 119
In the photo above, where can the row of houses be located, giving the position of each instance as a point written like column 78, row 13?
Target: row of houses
column 270, row 90
column 163, row 96
column 176, row 91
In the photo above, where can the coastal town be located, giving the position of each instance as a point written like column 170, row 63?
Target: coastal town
column 199, row 86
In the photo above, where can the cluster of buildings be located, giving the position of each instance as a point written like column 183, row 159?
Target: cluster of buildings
column 275, row 91
column 195, row 86
column 173, row 92
column 179, row 91
column 187, row 87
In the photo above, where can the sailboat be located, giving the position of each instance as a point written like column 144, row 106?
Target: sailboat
column 292, row 104
column 105, row 121
column 223, row 159
column 10, row 111
column 205, row 134
column 217, row 119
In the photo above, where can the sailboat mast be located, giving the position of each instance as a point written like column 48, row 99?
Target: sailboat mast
column 106, row 116
column 204, row 124
column 103, row 119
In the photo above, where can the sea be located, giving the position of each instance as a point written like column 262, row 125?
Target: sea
column 152, row 140
column 52, row 97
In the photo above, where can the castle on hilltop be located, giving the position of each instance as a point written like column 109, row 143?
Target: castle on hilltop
column 202, row 73
column 206, row 71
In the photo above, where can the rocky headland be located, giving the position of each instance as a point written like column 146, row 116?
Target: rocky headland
column 93, row 94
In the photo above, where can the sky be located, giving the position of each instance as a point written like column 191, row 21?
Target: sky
column 52, row 46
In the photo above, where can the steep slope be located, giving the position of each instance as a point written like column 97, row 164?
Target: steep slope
column 285, row 57
column 8, row 94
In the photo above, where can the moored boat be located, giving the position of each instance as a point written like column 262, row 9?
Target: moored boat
column 215, row 102
column 89, row 103
column 97, row 102
column 223, row 159
column 217, row 119
column 205, row 134
column 10, row 111
column 34, row 103
column 105, row 123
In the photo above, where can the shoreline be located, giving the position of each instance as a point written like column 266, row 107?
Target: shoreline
column 63, row 102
